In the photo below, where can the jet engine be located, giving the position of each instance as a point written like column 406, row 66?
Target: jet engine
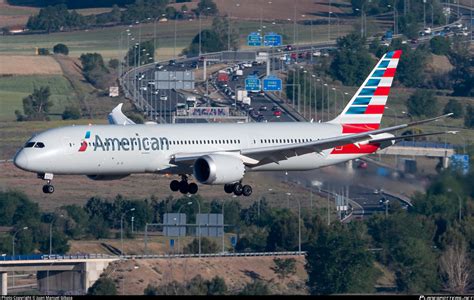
column 107, row 177
column 218, row 169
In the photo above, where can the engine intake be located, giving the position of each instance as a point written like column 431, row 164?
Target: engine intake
column 218, row 169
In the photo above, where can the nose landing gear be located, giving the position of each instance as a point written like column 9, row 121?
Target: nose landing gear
column 183, row 186
column 238, row 189
column 48, row 188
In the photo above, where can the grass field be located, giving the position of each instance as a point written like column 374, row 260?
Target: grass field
column 14, row 88
column 106, row 41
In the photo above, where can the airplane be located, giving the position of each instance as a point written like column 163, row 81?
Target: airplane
column 218, row 154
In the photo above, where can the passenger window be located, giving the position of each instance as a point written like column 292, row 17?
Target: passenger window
column 29, row 145
column 39, row 145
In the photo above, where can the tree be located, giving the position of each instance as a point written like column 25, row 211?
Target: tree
column 469, row 117
column 283, row 233
column 94, row 69
column 136, row 55
column 61, row 49
column 454, row 107
column 210, row 42
column 114, row 63
column 71, row 113
column 423, row 103
column 207, row 8
column 463, row 73
column 137, row 118
column 151, row 290
column 36, row 106
column 207, row 246
column 256, row 287
column 103, row 286
column 411, row 67
column 440, row 45
column 284, row 267
column 338, row 261
column 216, row 286
column 456, row 269
column 352, row 63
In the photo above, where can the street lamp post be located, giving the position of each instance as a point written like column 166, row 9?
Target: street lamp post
column 288, row 199
column 121, row 229
column 460, row 202
column 199, row 223
column 13, row 250
column 179, row 221
column 51, row 234
column 338, row 24
column 299, row 227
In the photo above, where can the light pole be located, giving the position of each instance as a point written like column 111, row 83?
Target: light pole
column 223, row 221
column 450, row 190
column 179, row 221
column 288, row 199
column 424, row 14
column 13, row 250
column 121, row 229
column 329, row 22
column 299, row 227
column 199, row 223
column 338, row 24
column 51, row 234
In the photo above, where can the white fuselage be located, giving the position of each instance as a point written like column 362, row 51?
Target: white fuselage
column 121, row 150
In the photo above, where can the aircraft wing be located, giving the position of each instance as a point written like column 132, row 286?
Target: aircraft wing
column 116, row 117
column 262, row 155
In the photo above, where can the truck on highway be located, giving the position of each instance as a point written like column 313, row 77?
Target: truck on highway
column 222, row 77
column 239, row 72
column 241, row 94
column 246, row 100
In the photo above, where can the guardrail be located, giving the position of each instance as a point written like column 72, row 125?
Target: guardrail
column 47, row 257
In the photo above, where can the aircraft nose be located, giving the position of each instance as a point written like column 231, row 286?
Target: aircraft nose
column 21, row 160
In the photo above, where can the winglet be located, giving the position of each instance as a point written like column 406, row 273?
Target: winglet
column 117, row 117
column 429, row 120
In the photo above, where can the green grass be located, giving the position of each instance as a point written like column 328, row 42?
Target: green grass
column 14, row 89
column 106, row 41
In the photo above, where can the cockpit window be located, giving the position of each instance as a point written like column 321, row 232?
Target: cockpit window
column 39, row 145
column 29, row 144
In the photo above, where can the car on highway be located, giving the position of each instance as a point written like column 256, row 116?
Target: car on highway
column 172, row 62
column 194, row 65
column 247, row 64
column 294, row 56
column 277, row 113
column 163, row 97
column 260, row 118
column 317, row 53
column 275, row 107
column 158, row 67
column 263, row 108
column 288, row 48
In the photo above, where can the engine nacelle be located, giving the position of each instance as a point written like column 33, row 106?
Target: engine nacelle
column 107, row 177
column 218, row 169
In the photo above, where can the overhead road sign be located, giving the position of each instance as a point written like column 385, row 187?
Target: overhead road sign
column 272, row 40
column 252, row 83
column 460, row 162
column 271, row 84
column 254, row 39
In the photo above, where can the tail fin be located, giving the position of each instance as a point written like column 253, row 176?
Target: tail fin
column 364, row 111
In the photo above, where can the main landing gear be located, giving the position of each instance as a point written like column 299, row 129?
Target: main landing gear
column 183, row 186
column 48, row 188
column 238, row 189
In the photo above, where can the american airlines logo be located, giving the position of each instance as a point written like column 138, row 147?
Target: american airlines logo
column 126, row 144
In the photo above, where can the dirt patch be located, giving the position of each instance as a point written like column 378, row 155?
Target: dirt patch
column 133, row 276
column 439, row 64
column 277, row 10
column 15, row 15
column 28, row 65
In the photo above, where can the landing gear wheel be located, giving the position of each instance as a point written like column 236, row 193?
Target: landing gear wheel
column 238, row 189
column 174, row 185
column 229, row 188
column 183, row 187
column 48, row 189
column 247, row 190
column 192, row 188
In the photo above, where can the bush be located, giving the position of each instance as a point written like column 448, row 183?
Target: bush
column 439, row 45
column 469, row 117
column 454, row 107
column 103, row 286
column 423, row 103
column 71, row 113
column 114, row 63
column 61, row 49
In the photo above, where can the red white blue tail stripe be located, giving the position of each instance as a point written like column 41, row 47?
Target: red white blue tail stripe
column 364, row 111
